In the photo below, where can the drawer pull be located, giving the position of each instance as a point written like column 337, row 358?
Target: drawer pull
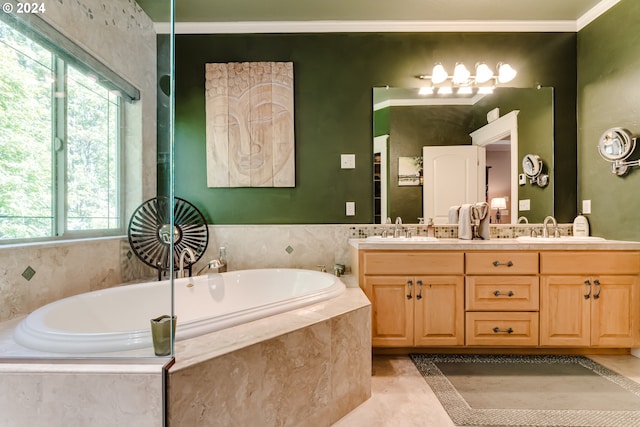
column 409, row 284
column 498, row 263
column 498, row 293
column 498, row 330
column 419, row 295
column 587, row 283
column 597, row 294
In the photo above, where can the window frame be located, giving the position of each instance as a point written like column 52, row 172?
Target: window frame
column 59, row 153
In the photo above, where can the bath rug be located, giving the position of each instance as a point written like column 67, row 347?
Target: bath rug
column 520, row 390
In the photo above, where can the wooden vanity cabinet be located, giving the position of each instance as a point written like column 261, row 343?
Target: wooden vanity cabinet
column 546, row 298
column 417, row 297
column 589, row 299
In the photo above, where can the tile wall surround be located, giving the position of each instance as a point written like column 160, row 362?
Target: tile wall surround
column 307, row 367
column 63, row 269
column 81, row 395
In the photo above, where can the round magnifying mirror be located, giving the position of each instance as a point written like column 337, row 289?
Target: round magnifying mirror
column 616, row 144
column 531, row 165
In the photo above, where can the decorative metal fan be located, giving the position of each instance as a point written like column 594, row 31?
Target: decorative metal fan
column 150, row 232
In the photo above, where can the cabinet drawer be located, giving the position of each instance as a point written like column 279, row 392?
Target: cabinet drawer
column 502, row 263
column 502, row 329
column 412, row 262
column 604, row 262
column 502, row 293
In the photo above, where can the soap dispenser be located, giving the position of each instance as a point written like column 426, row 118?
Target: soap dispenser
column 431, row 231
column 580, row 226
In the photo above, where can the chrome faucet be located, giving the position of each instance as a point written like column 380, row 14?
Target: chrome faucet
column 186, row 252
column 523, row 219
column 397, row 228
column 545, row 232
column 214, row 264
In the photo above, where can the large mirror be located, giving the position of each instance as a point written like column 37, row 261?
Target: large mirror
column 405, row 121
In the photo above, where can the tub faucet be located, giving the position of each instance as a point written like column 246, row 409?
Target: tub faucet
column 397, row 228
column 214, row 264
column 186, row 252
column 545, row 231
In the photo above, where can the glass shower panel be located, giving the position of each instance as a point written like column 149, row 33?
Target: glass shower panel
column 86, row 139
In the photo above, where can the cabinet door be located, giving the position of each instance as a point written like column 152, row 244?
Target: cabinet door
column 565, row 313
column 392, row 310
column 613, row 308
column 439, row 310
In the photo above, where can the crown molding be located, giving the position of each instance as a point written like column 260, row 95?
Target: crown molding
column 264, row 27
column 594, row 13
column 272, row 27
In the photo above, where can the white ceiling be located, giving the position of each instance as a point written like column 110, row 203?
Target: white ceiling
column 384, row 15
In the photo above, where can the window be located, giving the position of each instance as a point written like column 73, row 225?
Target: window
column 59, row 143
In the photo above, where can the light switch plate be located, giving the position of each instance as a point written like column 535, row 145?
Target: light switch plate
column 586, row 206
column 522, row 179
column 351, row 208
column 524, row 205
column 348, row 161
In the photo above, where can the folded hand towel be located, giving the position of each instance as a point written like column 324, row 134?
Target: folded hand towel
column 453, row 214
column 464, row 222
column 480, row 217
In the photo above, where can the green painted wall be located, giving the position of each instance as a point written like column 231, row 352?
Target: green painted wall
column 535, row 136
column 334, row 76
column 609, row 96
column 413, row 127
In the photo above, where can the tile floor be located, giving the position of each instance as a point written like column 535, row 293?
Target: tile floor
column 400, row 397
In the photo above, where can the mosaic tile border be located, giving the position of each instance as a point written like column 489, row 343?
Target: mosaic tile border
column 450, row 231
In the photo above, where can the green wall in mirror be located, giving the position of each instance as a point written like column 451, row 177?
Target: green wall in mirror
column 333, row 77
column 416, row 121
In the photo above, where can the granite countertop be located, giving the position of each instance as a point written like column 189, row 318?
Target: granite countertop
column 496, row 244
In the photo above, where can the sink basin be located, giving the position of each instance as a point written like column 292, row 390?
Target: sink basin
column 413, row 239
column 562, row 239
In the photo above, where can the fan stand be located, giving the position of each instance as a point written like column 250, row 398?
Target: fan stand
column 150, row 234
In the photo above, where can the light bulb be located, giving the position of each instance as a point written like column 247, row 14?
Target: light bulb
column 506, row 73
column 483, row 73
column 460, row 74
column 439, row 74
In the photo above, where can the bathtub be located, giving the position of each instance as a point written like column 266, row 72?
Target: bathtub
column 118, row 319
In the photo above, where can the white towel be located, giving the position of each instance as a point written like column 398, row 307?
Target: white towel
column 453, row 214
column 464, row 222
column 480, row 218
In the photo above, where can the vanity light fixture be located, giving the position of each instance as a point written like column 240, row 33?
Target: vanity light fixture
column 484, row 79
column 615, row 146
